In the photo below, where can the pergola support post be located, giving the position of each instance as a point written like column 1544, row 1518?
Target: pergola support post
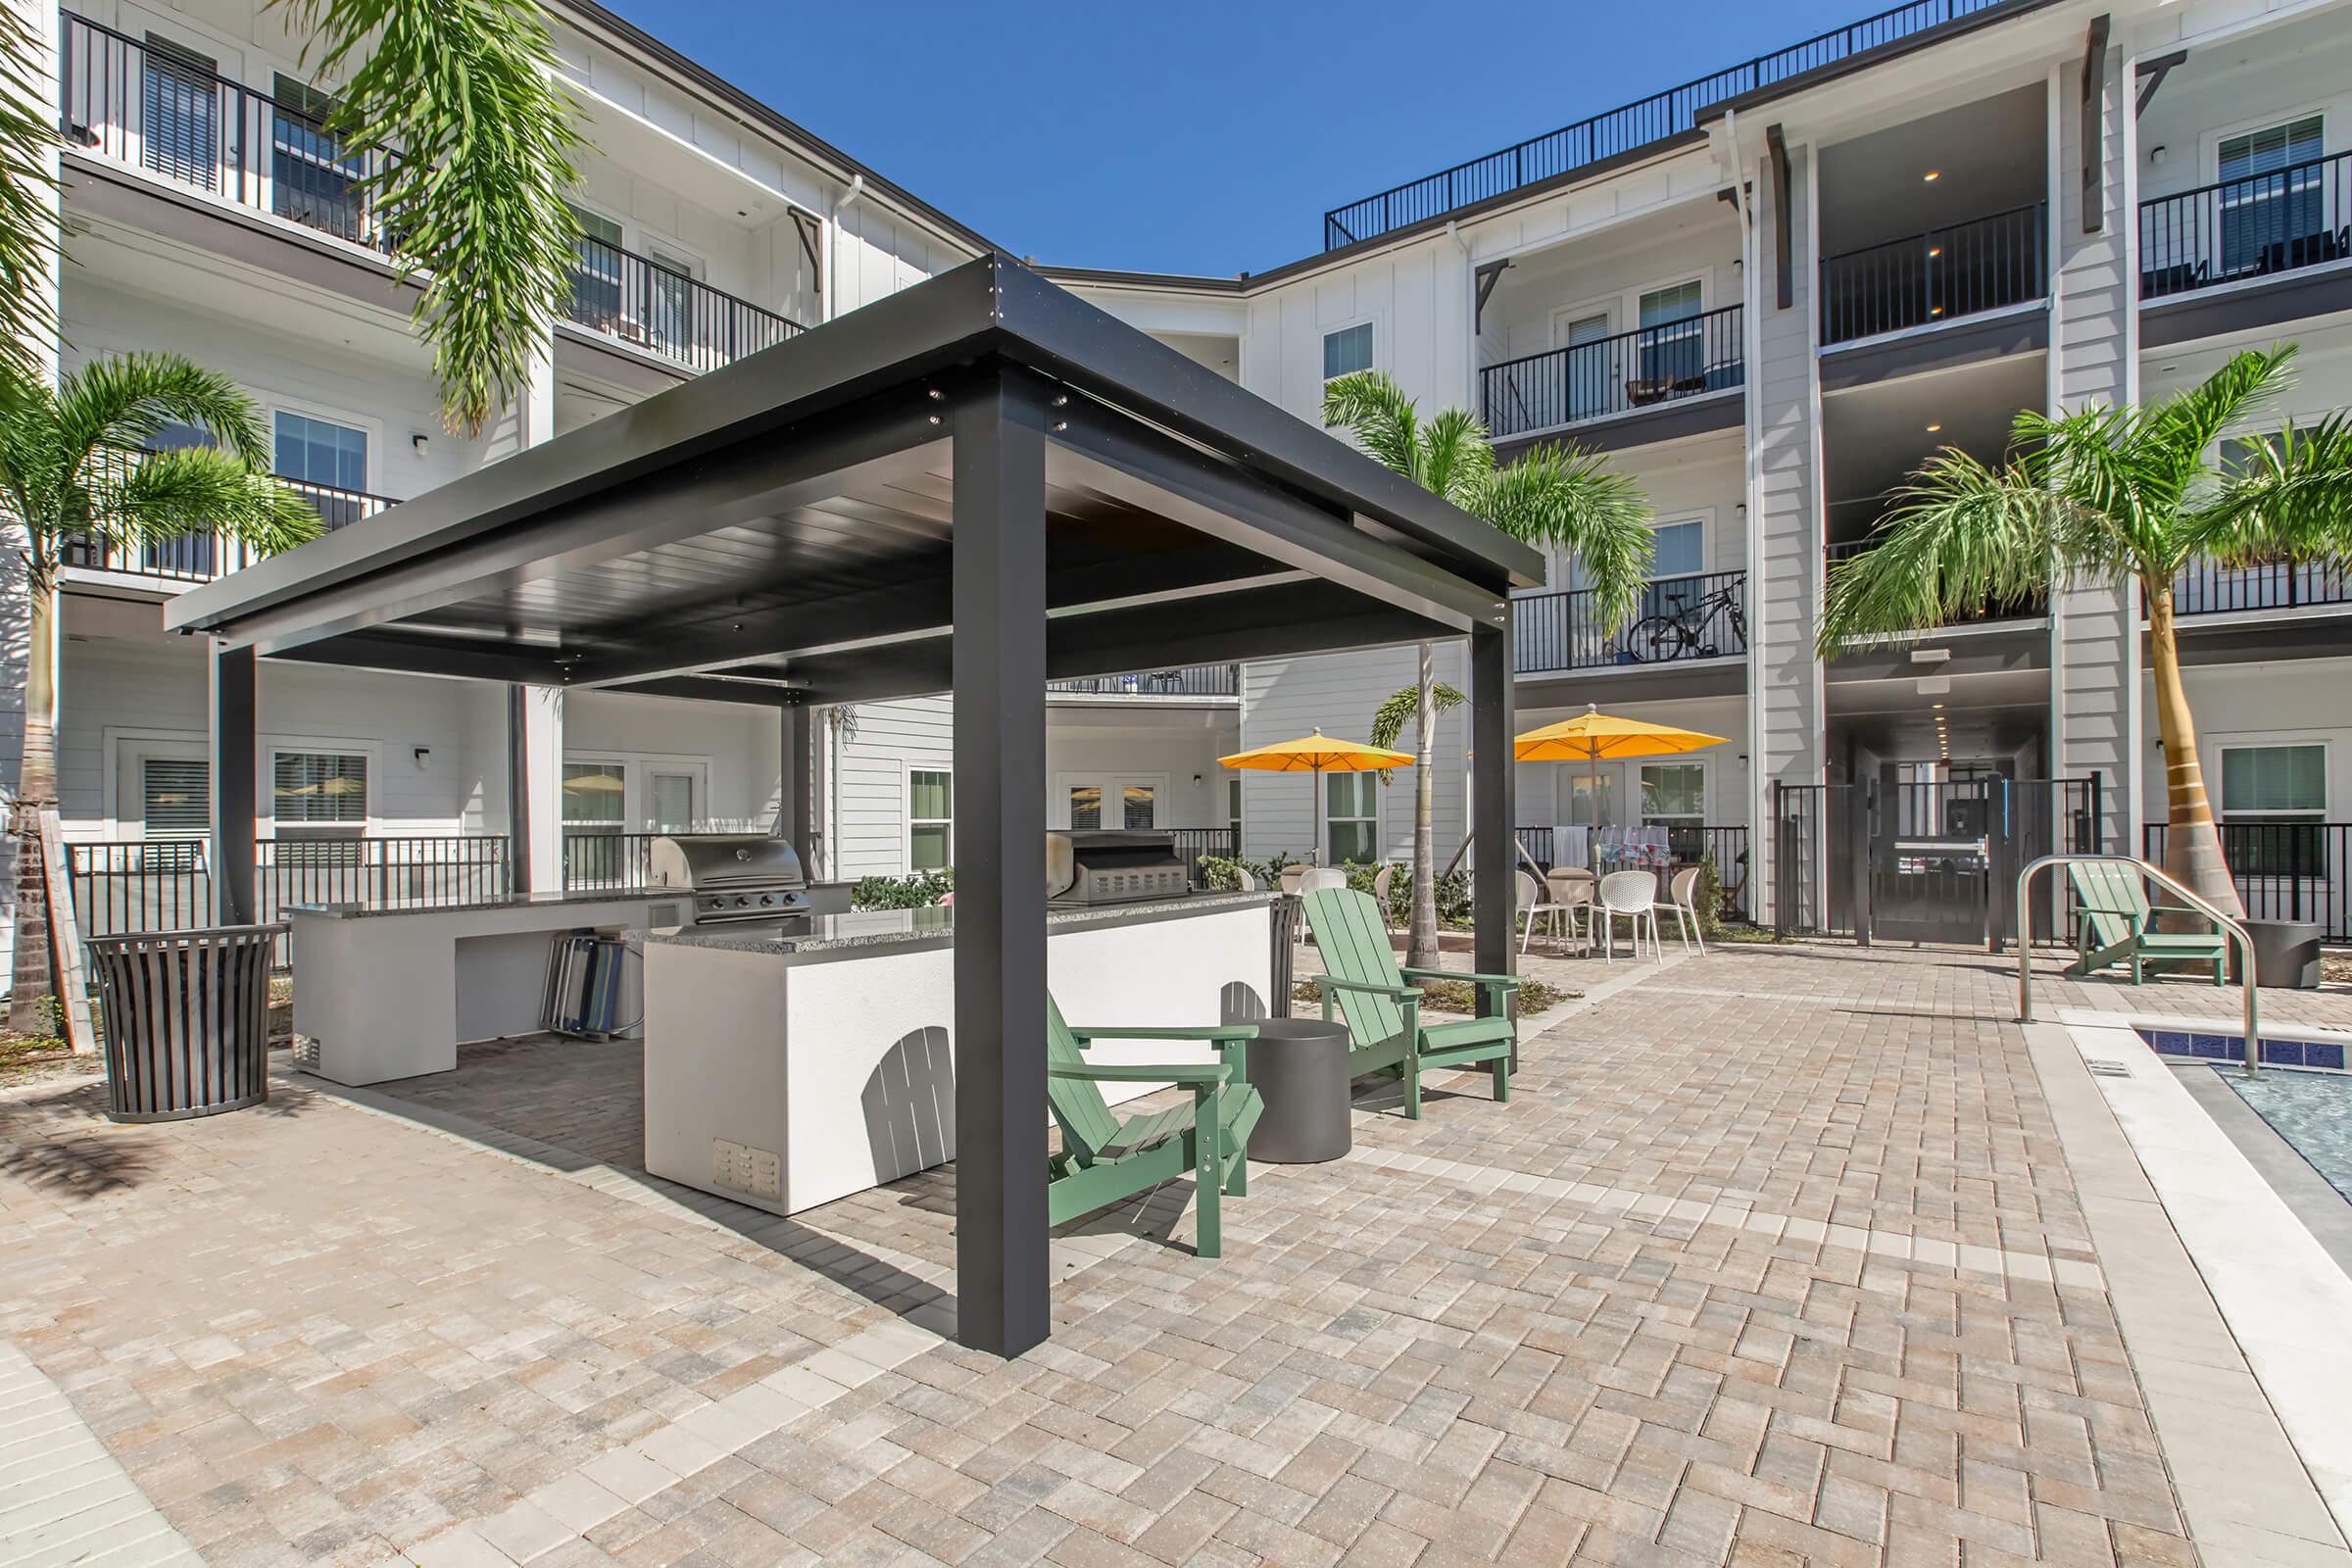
column 793, row 782
column 1493, row 807
column 233, row 689
column 999, row 542
column 535, row 786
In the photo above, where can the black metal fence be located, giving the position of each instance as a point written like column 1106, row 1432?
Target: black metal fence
column 2207, row 588
column 1197, row 844
column 1194, row 680
column 1634, row 369
column 1632, row 125
column 2283, row 870
column 1687, row 843
column 167, row 111
column 2252, row 226
column 667, row 311
column 1941, row 275
column 122, row 888
column 1677, row 619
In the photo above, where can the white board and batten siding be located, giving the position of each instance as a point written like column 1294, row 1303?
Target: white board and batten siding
column 1283, row 698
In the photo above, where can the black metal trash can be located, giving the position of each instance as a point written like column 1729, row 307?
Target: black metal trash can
column 2286, row 954
column 186, row 1017
column 1300, row 1068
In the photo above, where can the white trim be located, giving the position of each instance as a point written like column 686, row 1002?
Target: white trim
column 1320, row 813
column 2222, row 743
column 636, row 780
column 908, row 768
column 272, row 405
column 111, row 740
column 2210, row 139
column 370, row 752
column 1376, row 322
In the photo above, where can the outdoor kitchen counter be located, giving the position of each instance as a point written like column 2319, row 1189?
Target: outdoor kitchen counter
column 791, row 1062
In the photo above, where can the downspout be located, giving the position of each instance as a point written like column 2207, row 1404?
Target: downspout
column 849, row 198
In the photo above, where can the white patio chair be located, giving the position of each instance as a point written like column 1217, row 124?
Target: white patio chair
column 1290, row 875
column 1248, row 881
column 1578, row 888
column 1631, row 895
column 1536, row 900
column 1380, row 888
column 1682, row 893
column 1313, row 879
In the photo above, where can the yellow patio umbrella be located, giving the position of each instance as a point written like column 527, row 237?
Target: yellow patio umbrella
column 1593, row 735
column 1317, row 753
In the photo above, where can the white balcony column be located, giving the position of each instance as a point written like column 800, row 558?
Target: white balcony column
column 530, row 418
column 535, row 786
column 2095, row 720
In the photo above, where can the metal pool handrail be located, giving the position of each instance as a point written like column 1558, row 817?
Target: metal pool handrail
column 2245, row 943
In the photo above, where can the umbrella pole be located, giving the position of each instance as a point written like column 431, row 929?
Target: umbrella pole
column 1314, row 816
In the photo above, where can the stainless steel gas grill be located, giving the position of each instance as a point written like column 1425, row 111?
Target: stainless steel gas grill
column 1112, row 866
column 732, row 876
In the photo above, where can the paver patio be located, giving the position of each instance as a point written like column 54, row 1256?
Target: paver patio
column 1774, row 1257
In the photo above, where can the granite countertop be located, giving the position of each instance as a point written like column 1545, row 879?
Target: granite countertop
column 513, row 900
column 883, row 928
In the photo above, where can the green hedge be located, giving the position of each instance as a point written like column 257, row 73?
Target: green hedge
column 919, row 891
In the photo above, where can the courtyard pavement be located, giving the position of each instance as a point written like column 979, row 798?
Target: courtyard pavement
column 1775, row 1258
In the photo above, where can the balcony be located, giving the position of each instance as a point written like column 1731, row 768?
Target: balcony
column 1611, row 375
column 1643, row 122
column 1946, row 274
column 664, row 312
column 2208, row 588
column 169, row 114
column 1678, row 620
column 2036, row 605
column 1194, row 680
column 2256, row 227
column 203, row 557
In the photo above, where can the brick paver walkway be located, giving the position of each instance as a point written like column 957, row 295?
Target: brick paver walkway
column 1772, row 1259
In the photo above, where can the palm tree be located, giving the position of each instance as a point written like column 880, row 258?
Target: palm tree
column 1553, row 495
column 2111, row 496
column 73, row 465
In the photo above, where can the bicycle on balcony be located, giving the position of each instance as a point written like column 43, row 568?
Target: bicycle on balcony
column 1687, row 630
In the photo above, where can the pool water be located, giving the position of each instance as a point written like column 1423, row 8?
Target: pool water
column 2310, row 1110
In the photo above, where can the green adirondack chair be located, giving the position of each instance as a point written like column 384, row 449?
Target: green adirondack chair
column 2112, row 901
column 1384, row 1013
column 1106, row 1157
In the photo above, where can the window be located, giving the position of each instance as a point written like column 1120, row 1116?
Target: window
column 1674, row 793
column 931, row 819
column 1350, row 818
column 318, row 800
column 2272, row 197
column 1347, row 351
column 2273, row 799
column 1233, row 809
column 1086, row 806
column 179, row 105
column 596, row 275
column 1589, row 370
column 175, row 798
column 311, row 177
column 669, row 301
column 595, row 797
column 1672, row 358
column 673, row 792
column 328, row 464
column 1579, row 803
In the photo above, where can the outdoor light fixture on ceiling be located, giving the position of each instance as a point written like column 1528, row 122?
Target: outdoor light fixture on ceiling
column 1935, row 251
column 1931, row 175
column 1933, row 428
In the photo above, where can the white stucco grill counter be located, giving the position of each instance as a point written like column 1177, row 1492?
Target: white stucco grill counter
column 788, row 1063
column 390, row 993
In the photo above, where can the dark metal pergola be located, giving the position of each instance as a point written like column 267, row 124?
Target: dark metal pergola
column 975, row 485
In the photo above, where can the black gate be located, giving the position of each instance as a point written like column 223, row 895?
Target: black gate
column 1907, row 857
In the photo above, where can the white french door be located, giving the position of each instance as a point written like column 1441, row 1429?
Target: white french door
column 1082, row 801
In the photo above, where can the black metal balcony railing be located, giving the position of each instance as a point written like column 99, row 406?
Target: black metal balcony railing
column 2208, row 588
column 663, row 310
column 203, row 557
column 1640, row 124
column 1678, row 619
column 1194, row 680
column 2292, row 218
column 2034, row 605
column 1634, row 369
column 1941, row 275
column 155, row 107
column 1689, row 843
column 2285, row 870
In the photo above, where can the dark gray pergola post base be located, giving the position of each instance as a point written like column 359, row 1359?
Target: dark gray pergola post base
column 1493, row 860
column 233, row 689
column 793, row 781
column 998, row 662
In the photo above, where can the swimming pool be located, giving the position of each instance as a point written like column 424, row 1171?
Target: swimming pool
column 2276, row 1051
column 2310, row 1110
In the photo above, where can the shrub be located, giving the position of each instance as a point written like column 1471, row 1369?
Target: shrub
column 1708, row 896
column 919, row 891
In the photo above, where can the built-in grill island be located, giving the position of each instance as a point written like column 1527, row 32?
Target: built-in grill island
column 732, row 876
column 1086, row 867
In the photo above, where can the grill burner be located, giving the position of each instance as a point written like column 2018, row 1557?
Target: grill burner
column 733, row 876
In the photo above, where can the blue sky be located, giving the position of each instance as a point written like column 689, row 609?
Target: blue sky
column 1208, row 137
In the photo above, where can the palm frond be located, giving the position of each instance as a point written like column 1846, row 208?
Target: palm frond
column 166, row 495
column 120, row 403
column 1962, row 535
column 1383, row 419
column 1455, row 455
column 1571, row 499
column 463, row 99
column 1403, row 707
column 28, row 212
column 2287, row 499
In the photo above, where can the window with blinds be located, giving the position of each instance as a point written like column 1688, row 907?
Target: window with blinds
column 180, row 105
column 176, row 806
column 320, row 803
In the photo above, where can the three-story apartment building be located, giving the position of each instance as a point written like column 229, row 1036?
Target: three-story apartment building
column 1768, row 293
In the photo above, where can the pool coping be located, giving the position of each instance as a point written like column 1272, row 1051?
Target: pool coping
column 2224, row 1440
column 2324, row 1212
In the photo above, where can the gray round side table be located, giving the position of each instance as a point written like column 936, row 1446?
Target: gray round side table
column 1300, row 1068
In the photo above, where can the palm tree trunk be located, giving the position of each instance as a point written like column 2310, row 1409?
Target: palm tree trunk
column 36, row 789
column 2193, row 845
column 1421, row 931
